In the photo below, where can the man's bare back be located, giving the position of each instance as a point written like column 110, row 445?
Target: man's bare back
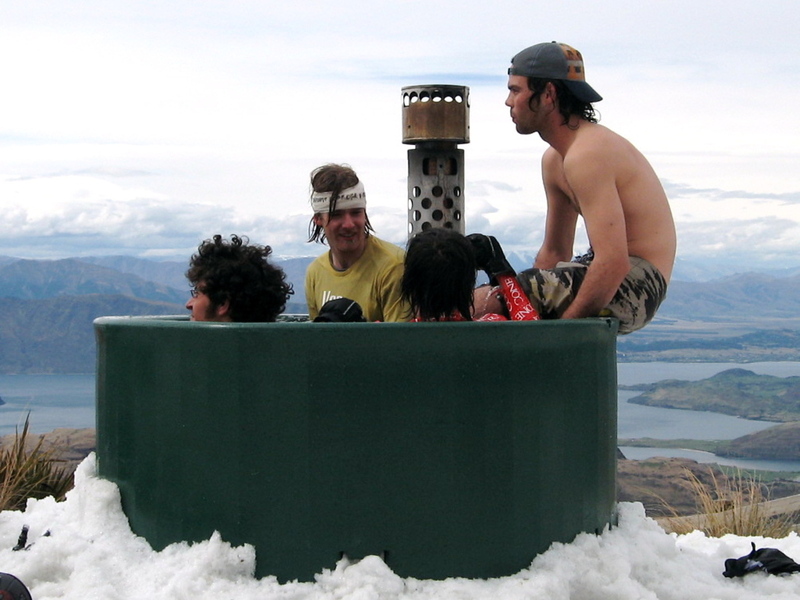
column 649, row 226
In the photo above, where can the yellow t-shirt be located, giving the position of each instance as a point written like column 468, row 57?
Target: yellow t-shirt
column 373, row 281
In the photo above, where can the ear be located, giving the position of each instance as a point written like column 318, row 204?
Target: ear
column 223, row 311
column 550, row 90
column 320, row 219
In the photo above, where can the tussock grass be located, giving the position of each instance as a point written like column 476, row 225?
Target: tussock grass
column 29, row 471
column 736, row 504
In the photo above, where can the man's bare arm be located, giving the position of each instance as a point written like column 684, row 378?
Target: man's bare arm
column 562, row 216
column 592, row 180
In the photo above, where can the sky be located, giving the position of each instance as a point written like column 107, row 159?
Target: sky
column 91, row 553
column 141, row 128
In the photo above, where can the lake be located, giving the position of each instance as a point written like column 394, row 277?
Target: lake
column 69, row 401
column 634, row 420
column 637, row 421
column 52, row 400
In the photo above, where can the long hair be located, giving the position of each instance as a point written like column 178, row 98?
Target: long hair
column 439, row 275
column 568, row 104
column 332, row 178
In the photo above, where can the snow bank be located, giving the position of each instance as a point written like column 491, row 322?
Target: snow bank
column 90, row 552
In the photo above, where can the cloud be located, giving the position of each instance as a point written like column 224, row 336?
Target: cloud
column 718, row 195
column 485, row 188
column 140, row 128
column 775, row 238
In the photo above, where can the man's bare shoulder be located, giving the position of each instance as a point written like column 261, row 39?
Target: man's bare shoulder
column 602, row 150
column 551, row 157
column 592, row 138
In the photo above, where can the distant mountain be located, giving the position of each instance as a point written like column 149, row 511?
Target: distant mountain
column 47, row 306
column 750, row 294
column 694, row 270
column 295, row 269
column 169, row 273
column 757, row 316
column 39, row 279
column 173, row 274
column 55, row 335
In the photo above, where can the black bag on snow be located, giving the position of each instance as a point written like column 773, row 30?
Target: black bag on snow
column 770, row 560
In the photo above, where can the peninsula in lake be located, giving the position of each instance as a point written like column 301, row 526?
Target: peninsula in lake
column 736, row 392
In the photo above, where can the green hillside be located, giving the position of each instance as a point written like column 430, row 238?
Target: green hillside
column 781, row 442
column 48, row 305
column 736, row 392
column 55, row 335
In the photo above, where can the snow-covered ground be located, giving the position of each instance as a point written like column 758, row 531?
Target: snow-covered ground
column 91, row 553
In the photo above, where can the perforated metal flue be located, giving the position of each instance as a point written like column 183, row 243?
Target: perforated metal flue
column 435, row 120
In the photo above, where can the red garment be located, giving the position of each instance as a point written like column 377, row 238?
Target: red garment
column 458, row 317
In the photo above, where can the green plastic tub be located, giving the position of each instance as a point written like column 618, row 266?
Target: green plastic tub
column 449, row 449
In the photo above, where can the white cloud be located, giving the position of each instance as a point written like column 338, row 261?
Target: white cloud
column 140, row 128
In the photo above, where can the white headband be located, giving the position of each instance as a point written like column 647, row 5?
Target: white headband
column 352, row 197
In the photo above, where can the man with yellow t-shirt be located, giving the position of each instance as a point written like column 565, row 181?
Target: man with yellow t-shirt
column 358, row 266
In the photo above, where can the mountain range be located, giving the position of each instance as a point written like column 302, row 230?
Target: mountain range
column 47, row 308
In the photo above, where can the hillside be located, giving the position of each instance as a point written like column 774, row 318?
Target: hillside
column 740, row 295
column 736, row 392
column 47, row 307
column 739, row 340
column 744, row 318
column 701, row 321
column 173, row 274
column 40, row 279
column 781, row 442
column 55, row 335
column 662, row 484
column 169, row 273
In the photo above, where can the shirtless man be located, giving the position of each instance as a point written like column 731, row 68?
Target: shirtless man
column 592, row 172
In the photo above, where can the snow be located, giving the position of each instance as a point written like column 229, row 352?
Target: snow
column 90, row 552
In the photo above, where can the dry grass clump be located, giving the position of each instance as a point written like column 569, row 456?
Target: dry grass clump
column 28, row 471
column 736, row 504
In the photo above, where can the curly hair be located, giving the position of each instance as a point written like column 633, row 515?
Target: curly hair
column 331, row 178
column 568, row 104
column 239, row 273
column 439, row 275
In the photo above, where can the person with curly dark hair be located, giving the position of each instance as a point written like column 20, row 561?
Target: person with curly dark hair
column 233, row 281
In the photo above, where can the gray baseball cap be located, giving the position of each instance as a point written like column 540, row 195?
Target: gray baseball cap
column 552, row 60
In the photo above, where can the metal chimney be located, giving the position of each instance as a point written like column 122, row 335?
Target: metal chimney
column 436, row 120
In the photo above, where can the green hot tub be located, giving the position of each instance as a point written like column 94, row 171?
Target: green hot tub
column 449, row 449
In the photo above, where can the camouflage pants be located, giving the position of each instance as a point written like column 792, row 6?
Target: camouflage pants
column 635, row 304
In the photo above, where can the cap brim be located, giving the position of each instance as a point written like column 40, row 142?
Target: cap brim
column 582, row 90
